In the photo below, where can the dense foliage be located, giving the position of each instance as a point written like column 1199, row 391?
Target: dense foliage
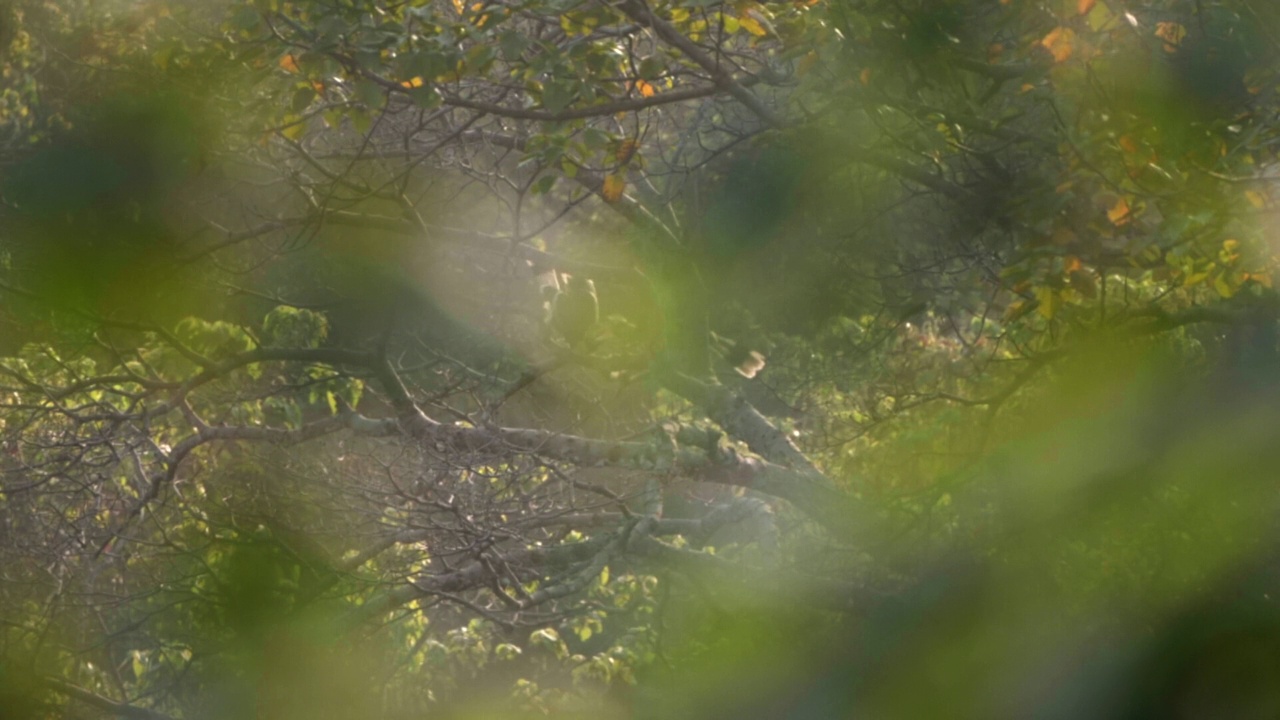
column 926, row 365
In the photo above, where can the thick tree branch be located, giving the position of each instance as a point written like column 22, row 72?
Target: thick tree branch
column 118, row 709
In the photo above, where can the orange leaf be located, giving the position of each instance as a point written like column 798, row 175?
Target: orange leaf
column 613, row 187
column 1118, row 214
column 1084, row 6
column 1060, row 42
column 1171, row 33
column 1263, row 279
column 289, row 63
column 1127, row 144
column 865, row 76
column 626, row 149
column 645, row 88
column 416, row 82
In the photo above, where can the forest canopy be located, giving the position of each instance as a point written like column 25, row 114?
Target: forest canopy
column 639, row 358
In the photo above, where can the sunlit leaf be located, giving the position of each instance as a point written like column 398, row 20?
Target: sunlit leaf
column 1119, row 213
column 294, row 128
column 1223, row 286
column 1048, row 300
column 1060, row 42
column 752, row 26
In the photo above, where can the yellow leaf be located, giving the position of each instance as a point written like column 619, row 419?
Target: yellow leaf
column 416, row 82
column 1048, row 302
column 1223, row 287
column 752, row 26
column 294, row 130
column 289, row 63
column 613, row 187
column 1084, row 6
column 1060, row 42
column 1256, row 198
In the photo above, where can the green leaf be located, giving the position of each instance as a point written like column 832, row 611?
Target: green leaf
column 595, row 139
column 543, row 185
column 651, row 68
column 557, row 95
column 361, row 121
column 513, row 45
column 426, row 97
column 370, row 94
column 302, row 98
